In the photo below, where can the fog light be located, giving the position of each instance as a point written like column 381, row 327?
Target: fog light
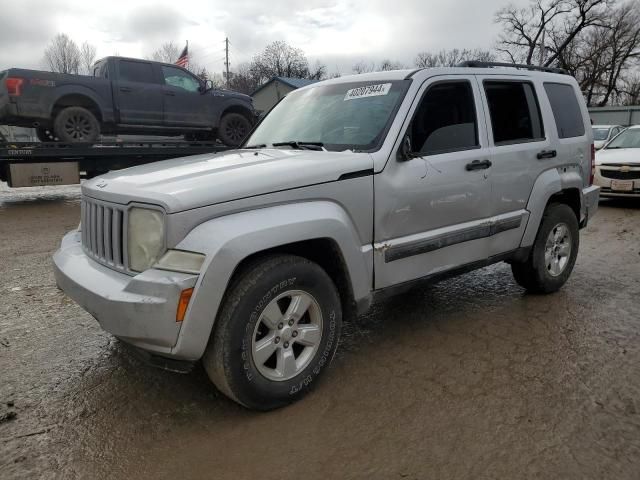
column 183, row 304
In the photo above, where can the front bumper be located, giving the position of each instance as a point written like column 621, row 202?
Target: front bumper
column 605, row 184
column 140, row 310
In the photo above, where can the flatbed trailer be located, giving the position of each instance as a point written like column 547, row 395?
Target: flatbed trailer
column 31, row 164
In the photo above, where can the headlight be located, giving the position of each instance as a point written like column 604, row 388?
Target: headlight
column 145, row 238
column 181, row 261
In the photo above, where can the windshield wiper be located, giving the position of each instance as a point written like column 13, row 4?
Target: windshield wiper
column 260, row 145
column 301, row 145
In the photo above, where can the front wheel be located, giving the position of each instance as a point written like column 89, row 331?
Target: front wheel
column 277, row 331
column 553, row 254
column 233, row 129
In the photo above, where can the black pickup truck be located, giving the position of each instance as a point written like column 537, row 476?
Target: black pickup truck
column 124, row 95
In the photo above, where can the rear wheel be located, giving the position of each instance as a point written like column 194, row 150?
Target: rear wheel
column 233, row 129
column 76, row 125
column 553, row 254
column 277, row 331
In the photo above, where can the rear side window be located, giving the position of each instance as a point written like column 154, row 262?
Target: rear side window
column 445, row 121
column 136, row 72
column 566, row 110
column 514, row 111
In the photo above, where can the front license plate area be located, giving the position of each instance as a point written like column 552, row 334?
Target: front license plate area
column 622, row 185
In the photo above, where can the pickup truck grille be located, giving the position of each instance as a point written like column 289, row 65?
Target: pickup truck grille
column 103, row 232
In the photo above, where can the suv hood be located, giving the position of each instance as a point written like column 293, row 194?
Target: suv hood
column 184, row 183
column 630, row 156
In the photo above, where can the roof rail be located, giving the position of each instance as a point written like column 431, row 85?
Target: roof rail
column 480, row 64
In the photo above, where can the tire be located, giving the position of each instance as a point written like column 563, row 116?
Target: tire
column 45, row 134
column 233, row 129
column 553, row 254
column 76, row 125
column 253, row 319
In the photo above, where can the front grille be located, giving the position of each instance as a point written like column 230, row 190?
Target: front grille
column 103, row 231
column 619, row 175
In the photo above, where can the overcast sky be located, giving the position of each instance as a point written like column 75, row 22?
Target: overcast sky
column 337, row 33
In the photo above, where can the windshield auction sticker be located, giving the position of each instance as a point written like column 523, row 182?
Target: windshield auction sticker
column 368, row 91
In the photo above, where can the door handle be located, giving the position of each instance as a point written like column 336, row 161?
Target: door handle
column 170, row 94
column 125, row 89
column 546, row 154
column 478, row 165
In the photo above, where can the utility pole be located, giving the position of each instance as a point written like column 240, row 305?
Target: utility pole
column 226, row 58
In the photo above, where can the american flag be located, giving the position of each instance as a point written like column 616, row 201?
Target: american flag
column 183, row 59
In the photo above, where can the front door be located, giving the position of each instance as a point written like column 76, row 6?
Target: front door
column 138, row 93
column 184, row 104
column 432, row 211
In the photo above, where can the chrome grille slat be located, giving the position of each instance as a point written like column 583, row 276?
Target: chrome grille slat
column 102, row 232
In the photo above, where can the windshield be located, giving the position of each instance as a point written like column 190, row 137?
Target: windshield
column 339, row 117
column 600, row 134
column 627, row 139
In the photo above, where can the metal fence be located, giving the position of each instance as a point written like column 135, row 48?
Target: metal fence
column 615, row 115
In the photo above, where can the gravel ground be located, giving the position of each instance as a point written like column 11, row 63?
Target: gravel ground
column 468, row 378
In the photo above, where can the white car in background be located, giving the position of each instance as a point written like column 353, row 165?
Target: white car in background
column 603, row 133
column 618, row 165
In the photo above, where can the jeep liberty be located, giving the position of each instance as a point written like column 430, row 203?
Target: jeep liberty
column 348, row 190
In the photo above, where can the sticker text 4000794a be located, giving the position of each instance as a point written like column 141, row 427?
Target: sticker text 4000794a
column 368, row 91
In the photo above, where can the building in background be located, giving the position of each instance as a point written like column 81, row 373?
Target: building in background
column 615, row 115
column 271, row 92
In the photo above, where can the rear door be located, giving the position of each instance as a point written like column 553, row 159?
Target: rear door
column 184, row 103
column 519, row 148
column 138, row 93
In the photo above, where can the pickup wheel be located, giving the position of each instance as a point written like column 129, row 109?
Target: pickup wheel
column 277, row 331
column 233, row 129
column 76, row 125
column 553, row 254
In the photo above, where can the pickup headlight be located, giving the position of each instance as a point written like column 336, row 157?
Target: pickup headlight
column 145, row 238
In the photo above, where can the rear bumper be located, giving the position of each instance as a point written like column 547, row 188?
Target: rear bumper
column 140, row 310
column 590, row 197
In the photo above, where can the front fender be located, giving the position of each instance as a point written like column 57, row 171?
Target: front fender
column 228, row 240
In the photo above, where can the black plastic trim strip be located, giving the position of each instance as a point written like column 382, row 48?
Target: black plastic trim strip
column 448, row 239
column 359, row 173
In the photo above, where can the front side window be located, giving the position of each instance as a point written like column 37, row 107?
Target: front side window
column 566, row 109
column 179, row 78
column 136, row 71
column 341, row 116
column 515, row 115
column 445, row 121
column 628, row 139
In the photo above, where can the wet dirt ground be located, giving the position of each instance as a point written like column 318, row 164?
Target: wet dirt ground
column 468, row 378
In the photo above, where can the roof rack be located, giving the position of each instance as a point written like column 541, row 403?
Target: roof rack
column 480, row 64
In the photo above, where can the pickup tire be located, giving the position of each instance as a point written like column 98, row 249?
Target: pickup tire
column 276, row 332
column 233, row 129
column 76, row 125
column 554, row 252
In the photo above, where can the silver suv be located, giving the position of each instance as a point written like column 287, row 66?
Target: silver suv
column 348, row 190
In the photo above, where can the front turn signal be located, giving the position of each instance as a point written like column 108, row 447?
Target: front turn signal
column 183, row 304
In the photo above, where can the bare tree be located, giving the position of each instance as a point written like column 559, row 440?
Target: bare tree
column 167, row 53
column 451, row 58
column 279, row 59
column 62, row 55
column 87, row 58
column 243, row 80
column 386, row 64
column 525, row 30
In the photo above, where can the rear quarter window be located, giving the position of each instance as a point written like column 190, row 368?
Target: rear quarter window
column 566, row 109
column 131, row 71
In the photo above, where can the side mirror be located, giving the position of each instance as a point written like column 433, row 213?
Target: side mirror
column 406, row 152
